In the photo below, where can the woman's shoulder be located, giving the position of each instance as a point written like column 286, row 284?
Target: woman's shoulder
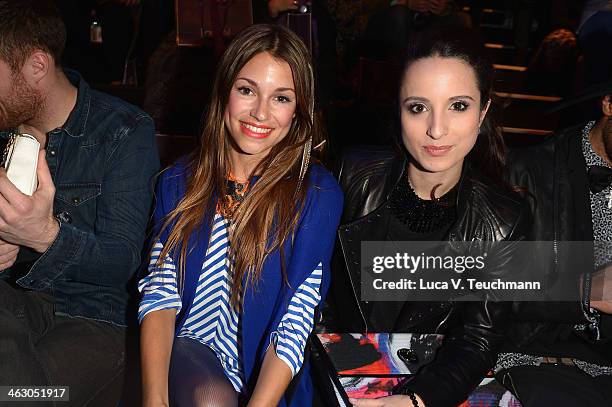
column 324, row 195
column 176, row 173
column 171, row 184
column 321, row 180
column 365, row 164
column 506, row 210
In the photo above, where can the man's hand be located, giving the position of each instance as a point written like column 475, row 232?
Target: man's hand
column 602, row 306
column 601, row 290
column 129, row 3
column 391, row 401
column 275, row 7
column 421, row 6
column 8, row 255
column 28, row 220
column 438, row 7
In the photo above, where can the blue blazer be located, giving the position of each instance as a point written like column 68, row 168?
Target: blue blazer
column 265, row 304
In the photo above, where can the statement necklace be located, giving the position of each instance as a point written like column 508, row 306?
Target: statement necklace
column 235, row 193
column 421, row 215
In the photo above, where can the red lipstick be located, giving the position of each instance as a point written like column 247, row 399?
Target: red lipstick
column 437, row 151
column 255, row 130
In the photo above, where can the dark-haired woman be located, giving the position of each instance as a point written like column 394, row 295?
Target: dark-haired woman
column 245, row 231
column 445, row 184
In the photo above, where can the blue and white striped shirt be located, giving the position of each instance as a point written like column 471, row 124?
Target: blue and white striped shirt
column 212, row 320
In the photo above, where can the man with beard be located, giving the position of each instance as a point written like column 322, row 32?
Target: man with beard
column 68, row 251
column 560, row 353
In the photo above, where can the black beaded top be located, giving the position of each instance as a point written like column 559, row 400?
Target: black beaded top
column 420, row 215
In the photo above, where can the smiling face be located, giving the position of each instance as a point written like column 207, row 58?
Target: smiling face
column 440, row 115
column 259, row 111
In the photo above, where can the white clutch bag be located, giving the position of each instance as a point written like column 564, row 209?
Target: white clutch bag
column 20, row 160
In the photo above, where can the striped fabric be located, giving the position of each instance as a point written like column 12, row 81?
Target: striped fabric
column 295, row 327
column 213, row 321
column 159, row 290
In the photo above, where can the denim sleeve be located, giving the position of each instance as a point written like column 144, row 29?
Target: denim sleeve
column 111, row 253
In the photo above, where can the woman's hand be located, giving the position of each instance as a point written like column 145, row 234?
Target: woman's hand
column 274, row 377
column 391, row 401
column 154, row 404
column 601, row 290
column 156, row 338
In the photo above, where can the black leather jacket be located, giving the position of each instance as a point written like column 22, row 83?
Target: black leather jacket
column 554, row 174
column 485, row 213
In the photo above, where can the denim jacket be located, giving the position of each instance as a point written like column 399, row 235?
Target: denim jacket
column 102, row 161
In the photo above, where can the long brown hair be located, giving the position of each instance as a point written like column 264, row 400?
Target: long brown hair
column 270, row 211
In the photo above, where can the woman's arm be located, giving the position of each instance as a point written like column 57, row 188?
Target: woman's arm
column 391, row 401
column 308, row 272
column 272, row 382
column 156, row 338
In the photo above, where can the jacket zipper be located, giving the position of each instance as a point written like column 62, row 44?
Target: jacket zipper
column 365, row 324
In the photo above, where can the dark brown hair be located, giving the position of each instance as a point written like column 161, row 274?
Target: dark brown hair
column 488, row 154
column 27, row 26
column 269, row 212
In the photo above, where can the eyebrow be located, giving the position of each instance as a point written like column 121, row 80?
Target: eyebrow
column 450, row 99
column 253, row 83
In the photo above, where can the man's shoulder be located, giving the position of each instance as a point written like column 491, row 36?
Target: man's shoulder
column 116, row 113
column 536, row 164
column 543, row 153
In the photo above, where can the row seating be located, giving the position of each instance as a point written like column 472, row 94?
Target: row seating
column 527, row 111
column 129, row 93
column 502, row 53
column 519, row 137
column 171, row 147
column 510, row 78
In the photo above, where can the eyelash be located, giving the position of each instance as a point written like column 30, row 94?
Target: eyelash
column 413, row 106
column 283, row 99
column 459, row 106
column 246, row 91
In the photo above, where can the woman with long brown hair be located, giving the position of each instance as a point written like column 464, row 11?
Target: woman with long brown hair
column 245, row 229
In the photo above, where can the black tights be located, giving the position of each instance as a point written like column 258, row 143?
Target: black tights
column 197, row 378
